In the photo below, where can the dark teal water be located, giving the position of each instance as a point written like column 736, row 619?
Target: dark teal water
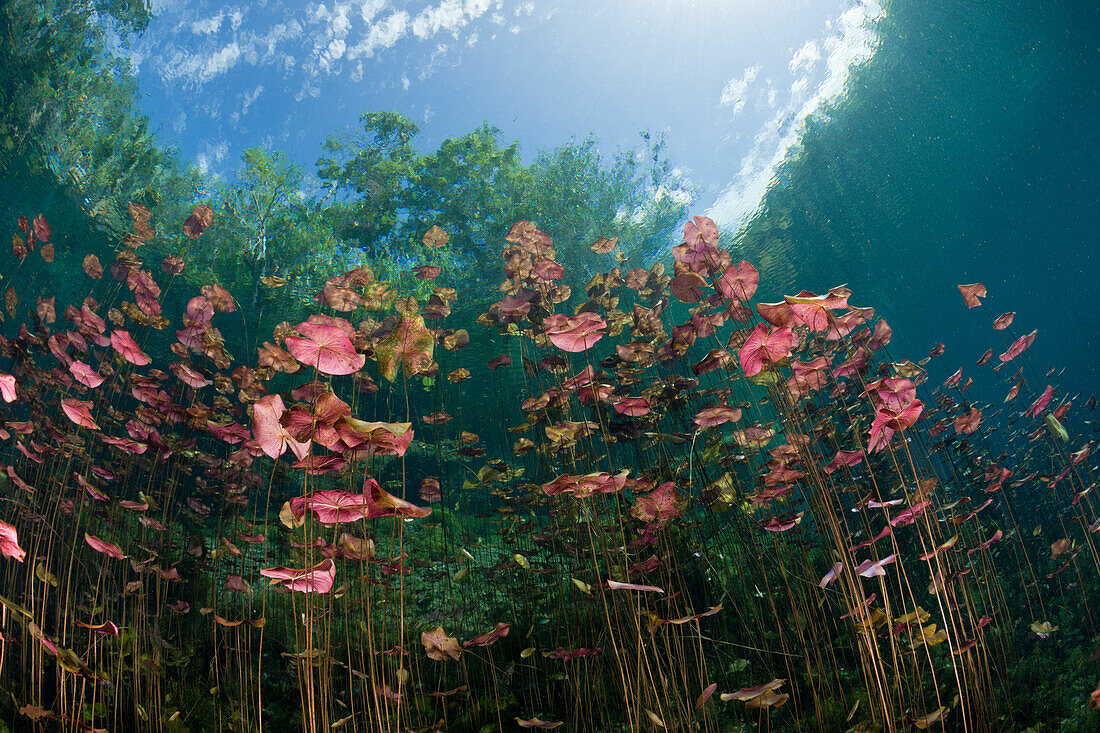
column 964, row 151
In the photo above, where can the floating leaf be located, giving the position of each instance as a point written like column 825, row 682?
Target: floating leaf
column 435, row 237
column 317, row 579
column 615, row 585
column 426, row 272
column 331, row 506
column 9, row 542
column 124, row 344
column 535, row 723
column 326, row 348
column 7, row 387
column 490, row 637
column 80, row 412
column 85, row 374
column 972, row 293
column 41, row 229
column 705, row 695
column 763, row 695
column 1018, row 346
column 107, row 548
column 410, row 344
column 201, row 217
column 271, row 436
column 765, row 345
column 107, row 628
column 738, row 282
column 439, row 646
column 968, row 422
column 574, row 333
column 383, row 504
column 220, row 298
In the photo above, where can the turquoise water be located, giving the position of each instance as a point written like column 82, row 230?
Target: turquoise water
column 962, row 152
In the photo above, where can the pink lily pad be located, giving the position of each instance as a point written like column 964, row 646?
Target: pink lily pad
column 889, row 421
column 784, row 524
column 189, row 375
column 220, row 298
column 325, row 347
column 1018, row 346
column 738, row 282
column 107, row 628
column 439, row 646
column 85, row 374
column 632, row 406
column 317, row 579
column 832, row 575
column 535, row 723
column 987, row 544
column 427, row 272
column 660, row 505
column 490, row 637
column 1040, row 402
column 410, row 344
column 107, row 548
column 874, row 568
column 7, row 387
column 9, row 542
column 714, row 416
column 383, row 504
column 615, row 585
column 80, row 412
column 124, row 344
column 765, row 345
column 968, row 422
column 271, row 436
column 331, row 506
column 41, row 229
column 844, row 458
column 574, row 333
column 430, row 490
column 972, row 293
column 546, row 269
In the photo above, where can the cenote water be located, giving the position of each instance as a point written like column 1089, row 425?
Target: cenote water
column 487, row 365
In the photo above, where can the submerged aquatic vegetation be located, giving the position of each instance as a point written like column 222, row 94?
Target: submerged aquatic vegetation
column 672, row 492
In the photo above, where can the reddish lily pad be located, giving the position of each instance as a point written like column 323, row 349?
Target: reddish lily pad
column 439, row 646
column 574, row 333
column 7, row 387
column 326, row 348
column 317, row 579
column 410, row 344
column 107, row 548
column 383, row 504
column 490, row 637
column 972, row 294
column 331, row 506
column 765, row 345
column 9, row 542
column 124, row 344
column 80, row 412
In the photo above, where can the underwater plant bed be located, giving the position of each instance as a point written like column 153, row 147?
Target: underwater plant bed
column 642, row 499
